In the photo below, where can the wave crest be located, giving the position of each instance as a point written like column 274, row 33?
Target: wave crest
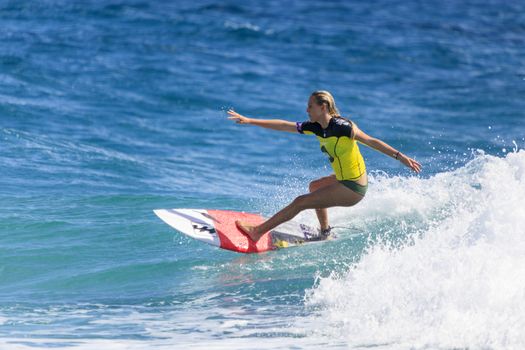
column 458, row 283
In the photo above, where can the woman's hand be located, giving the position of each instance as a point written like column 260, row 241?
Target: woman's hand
column 274, row 124
column 239, row 119
column 409, row 162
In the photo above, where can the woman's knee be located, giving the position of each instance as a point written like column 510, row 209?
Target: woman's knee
column 314, row 185
column 320, row 183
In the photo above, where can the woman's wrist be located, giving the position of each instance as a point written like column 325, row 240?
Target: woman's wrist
column 397, row 155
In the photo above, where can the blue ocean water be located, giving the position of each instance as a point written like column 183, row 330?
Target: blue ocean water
column 110, row 109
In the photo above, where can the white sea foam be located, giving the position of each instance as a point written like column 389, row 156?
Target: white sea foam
column 460, row 283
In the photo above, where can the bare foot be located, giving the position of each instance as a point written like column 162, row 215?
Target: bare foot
column 249, row 229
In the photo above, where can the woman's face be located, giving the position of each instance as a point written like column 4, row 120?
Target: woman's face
column 314, row 110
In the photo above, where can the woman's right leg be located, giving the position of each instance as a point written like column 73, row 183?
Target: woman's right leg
column 322, row 213
column 334, row 195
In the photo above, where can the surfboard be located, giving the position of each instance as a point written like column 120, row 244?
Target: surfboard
column 217, row 228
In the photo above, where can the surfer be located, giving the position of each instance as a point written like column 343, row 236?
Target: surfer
column 338, row 138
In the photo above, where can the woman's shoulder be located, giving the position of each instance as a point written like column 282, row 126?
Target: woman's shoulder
column 344, row 127
column 340, row 120
column 309, row 127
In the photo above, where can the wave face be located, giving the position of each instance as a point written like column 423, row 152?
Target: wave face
column 456, row 282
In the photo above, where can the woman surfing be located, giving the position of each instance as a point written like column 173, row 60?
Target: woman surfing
column 338, row 138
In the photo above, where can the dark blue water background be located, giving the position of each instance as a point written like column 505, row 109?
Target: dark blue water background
column 110, row 109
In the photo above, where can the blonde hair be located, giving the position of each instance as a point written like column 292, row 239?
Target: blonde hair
column 323, row 97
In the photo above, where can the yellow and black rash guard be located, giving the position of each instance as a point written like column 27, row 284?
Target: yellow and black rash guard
column 337, row 140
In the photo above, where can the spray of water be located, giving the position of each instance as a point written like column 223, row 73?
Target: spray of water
column 458, row 278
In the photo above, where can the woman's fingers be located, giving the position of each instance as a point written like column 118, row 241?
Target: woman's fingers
column 415, row 165
column 412, row 164
column 235, row 116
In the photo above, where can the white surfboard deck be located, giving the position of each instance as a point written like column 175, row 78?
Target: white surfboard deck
column 218, row 228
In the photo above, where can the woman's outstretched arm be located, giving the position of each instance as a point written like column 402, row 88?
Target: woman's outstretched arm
column 274, row 124
column 385, row 148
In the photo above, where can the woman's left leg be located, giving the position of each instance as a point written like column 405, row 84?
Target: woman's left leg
column 322, row 213
column 335, row 195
